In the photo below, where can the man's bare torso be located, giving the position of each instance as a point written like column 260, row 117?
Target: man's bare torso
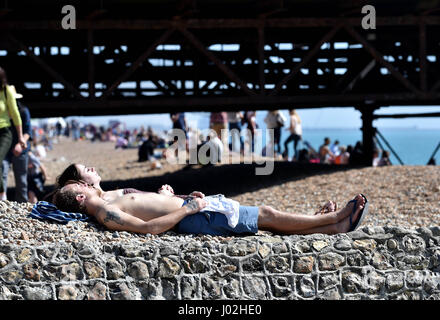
column 146, row 206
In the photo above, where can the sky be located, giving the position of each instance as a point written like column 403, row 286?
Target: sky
column 319, row 118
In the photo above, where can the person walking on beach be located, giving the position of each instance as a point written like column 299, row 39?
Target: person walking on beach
column 156, row 213
column 218, row 121
column 8, row 108
column 17, row 156
column 295, row 129
column 234, row 121
column 179, row 122
column 250, row 119
column 274, row 121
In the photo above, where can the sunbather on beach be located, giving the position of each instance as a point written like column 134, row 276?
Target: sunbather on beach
column 89, row 175
column 156, row 213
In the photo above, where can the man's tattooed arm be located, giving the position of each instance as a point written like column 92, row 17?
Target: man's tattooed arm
column 113, row 216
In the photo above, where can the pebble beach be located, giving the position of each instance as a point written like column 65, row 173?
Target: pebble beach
column 401, row 196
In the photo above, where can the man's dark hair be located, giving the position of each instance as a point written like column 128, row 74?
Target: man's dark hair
column 65, row 200
column 70, row 173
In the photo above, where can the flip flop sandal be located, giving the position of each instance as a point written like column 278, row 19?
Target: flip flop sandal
column 362, row 214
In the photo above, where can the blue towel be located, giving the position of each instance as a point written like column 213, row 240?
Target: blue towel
column 48, row 211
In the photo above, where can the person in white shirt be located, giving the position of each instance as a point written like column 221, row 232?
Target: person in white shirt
column 275, row 120
column 334, row 148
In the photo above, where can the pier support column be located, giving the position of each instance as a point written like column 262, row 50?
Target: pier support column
column 368, row 132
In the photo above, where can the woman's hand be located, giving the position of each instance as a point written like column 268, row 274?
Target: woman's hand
column 197, row 194
column 195, row 205
column 166, row 190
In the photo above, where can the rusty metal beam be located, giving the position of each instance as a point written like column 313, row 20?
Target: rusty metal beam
column 138, row 62
column 306, row 59
column 45, row 66
column 151, row 105
column 360, row 76
column 378, row 57
column 223, row 67
column 138, row 24
column 407, row 115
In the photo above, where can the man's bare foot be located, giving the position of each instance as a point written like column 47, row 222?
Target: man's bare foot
column 348, row 209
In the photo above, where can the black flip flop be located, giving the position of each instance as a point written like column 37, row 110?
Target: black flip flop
column 362, row 214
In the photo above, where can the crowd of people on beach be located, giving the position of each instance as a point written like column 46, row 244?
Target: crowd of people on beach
column 234, row 122
column 151, row 144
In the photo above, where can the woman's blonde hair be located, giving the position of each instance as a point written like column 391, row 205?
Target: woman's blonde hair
column 293, row 112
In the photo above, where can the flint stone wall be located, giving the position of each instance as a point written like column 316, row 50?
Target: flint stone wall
column 372, row 263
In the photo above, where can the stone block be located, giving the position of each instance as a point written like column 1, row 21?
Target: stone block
column 32, row 271
column 328, row 280
column 70, row 272
column 168, row 268
column 4, row 260
column 366, row 244
column 12, row 276
column 231, row 288
column 37, row 293
column 224, row 265
column 189, row 288
column 343, row 245
column 330, row 261
column 241, row 248
column 211, row 289
column 304, row 264
column 93, row 270
column 67, row 292
column 252, row 264
column 306, row 286
column 413, row 244
column 352, row 283
column 282, row 287
column 138, row 270
column 278, row 264
column 255, row 288
column 394, row 281
column 114, row 269
column 97, row 292
column 195, row 263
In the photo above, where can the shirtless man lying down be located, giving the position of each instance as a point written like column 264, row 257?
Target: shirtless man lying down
column 156, row 213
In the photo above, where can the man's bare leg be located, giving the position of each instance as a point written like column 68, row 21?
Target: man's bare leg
column 277, row 221
column 340, row 227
